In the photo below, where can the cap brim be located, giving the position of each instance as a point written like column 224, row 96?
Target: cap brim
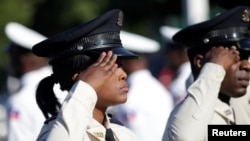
column 124, row 53
column 244, row 44
column 244, row 48
column 120, row 51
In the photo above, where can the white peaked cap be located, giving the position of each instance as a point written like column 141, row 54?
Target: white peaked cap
column 138, row 43
column 168, row 32
column 22, row 36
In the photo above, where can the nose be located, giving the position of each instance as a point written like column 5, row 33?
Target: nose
column 245, row 65
column 123, row 74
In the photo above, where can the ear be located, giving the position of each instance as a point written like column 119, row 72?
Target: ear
column 198, row 61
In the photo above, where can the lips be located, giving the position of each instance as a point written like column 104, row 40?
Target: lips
column 244, row 82
column 125, row 88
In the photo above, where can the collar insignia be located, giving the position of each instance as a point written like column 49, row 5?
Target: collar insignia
column 99, row 134
column 228, row 112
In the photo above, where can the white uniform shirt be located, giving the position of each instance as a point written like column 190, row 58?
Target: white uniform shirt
column 3, row 116
column 177, row 86
column 75, row 120
column 189, row 119
column 147, row 108
column 241, row 106
column 25, row 117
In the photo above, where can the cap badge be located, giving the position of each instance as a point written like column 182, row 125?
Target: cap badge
column 246, row 15
column 120, row 19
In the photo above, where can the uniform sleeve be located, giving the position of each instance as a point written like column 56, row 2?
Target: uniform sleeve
column 189, row 119
column 76, row 112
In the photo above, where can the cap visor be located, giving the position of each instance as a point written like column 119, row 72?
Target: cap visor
column 244, row 44
column 124, row 53
column 120, row 51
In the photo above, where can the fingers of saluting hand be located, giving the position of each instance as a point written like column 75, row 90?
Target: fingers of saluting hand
column 224, row 56
column 235, row 52
column 97, row 74
column 107, row 61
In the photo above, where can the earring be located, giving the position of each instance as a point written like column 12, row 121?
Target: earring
column 74, row 77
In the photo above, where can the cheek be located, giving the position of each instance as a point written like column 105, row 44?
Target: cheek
column 230, row 84
column 109, row 86
column 233, row 72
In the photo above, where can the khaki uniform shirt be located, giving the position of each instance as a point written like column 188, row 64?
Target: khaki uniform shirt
column 190, row 119
column 76, row 123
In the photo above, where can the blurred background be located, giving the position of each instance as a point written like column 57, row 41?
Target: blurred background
column 143, row 17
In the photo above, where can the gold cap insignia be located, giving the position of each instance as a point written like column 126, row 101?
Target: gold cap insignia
column 120, row 19
column 246, row 15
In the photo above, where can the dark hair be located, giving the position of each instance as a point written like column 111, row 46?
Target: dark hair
column 192, row 52
column 63, row 70
column 15, row 53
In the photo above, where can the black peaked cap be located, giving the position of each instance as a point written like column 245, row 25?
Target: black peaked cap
column 99, row 34
column 228, row 4
column 229, row 26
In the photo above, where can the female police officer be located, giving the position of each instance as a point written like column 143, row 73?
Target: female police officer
column 86, row 61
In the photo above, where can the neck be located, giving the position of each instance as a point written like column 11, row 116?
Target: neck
column 224, row 98
column 99, row 115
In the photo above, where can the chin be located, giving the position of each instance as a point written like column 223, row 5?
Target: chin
column 124, row 101
column 239, row 93
column 120, row 101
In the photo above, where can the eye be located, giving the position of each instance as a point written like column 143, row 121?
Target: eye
column 120, row 62
column 244, row 55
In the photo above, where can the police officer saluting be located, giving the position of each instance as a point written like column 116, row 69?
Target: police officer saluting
column 218, row 50
column 87, row 61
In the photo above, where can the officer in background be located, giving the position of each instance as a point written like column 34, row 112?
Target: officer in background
column 218, row 51
column 176, row 60
column 3, row 98
column 24, row 117
column 149, row 102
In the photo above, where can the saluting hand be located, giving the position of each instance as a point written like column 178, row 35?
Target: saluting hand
column 223, row 56
column 96, row 74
